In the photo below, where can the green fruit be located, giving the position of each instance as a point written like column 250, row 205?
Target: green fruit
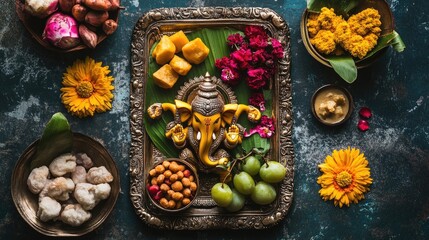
column 244, row 183
column 221, row 194
column 237, row 202
column 272, row 172
column 251, row 165
column 264, row 193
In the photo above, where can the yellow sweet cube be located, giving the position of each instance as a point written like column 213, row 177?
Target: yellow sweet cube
column 179, row 39
column 165, row 77
column 164, row 51
column 195, row 51
column 180, row 65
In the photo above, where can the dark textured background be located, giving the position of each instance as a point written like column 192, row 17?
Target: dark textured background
column 396, row 88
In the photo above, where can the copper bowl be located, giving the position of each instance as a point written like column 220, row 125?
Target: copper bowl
column 344, row 92
column 35, row 27
column 188, row 166
column 27, row 203
column 387, row 26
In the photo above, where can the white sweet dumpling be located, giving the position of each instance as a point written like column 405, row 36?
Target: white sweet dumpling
column 37, row 179
column 82, row 159
column 63, row 164
column 60, row 188
column 89, row 195
column 88, row 188
column 97, row 175
column 74, row 215
column 48, row 209
column 79, row 175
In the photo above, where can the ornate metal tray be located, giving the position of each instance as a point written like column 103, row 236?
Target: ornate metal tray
column 204, row 214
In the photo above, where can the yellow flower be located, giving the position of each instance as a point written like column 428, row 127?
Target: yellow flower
column 87, row 88
column 345, row 178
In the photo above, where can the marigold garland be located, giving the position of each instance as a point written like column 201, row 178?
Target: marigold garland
column 87, row 88
column 345, row 178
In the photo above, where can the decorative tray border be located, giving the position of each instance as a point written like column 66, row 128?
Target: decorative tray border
column 146, row 31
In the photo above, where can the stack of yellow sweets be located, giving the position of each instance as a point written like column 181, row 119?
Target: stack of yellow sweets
column 194, row 52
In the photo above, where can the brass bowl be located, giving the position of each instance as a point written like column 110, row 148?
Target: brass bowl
column 188, row 166
column 344, row 92
column 35, row 27
column 27, row 203
column 387, row 26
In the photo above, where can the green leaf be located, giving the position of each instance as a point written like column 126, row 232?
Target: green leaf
column 397, row 42
column 57, row 139
column 341, row 7
column 344, row 66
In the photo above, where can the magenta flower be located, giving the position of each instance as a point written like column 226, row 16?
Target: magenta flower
column 226, row 62
column 258, row 42
column 256, row 78
column 235, row 40
column 265, row 128
column 251, row 31
column 277, row 48
column 257, row 100
column 229, row 76
column 242, row 57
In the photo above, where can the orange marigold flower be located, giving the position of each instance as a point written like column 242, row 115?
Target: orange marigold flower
column 87, row 88
column 345, row 178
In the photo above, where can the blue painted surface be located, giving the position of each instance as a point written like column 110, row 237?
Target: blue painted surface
column 397, row 145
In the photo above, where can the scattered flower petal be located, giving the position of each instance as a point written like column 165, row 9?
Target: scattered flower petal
column 363, row 125
column 365, row 112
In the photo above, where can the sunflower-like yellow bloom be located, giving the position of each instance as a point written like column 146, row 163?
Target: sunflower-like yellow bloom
column 345, row 178
column 87, row 88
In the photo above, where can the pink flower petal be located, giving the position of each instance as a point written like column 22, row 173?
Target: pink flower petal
column 363, row 125
column 365, row 112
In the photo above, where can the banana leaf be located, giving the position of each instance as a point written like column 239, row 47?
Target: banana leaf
column 215, row 39
column 344, row 66
column 57, row 139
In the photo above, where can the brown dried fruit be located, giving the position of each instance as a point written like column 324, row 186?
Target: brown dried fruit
column 152, row 172
column 180, row 175
column 88, row 37
column 164, row 163
column 177, row 186
column 109, row 27
column 66, row 5
column 186, row 182
column 177, row 196
column 79, row 12
column 96, row 18
column 159, row 169
column 171, row 204
column 167, row 173
column 187, row 192
column 160, row 179
column 163, row 202
column 164, row 187
column 186, row 201
column 100, row 5
column 193, row 186
column 173, row 178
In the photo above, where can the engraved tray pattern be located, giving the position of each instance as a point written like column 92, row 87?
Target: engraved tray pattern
column 203, row 214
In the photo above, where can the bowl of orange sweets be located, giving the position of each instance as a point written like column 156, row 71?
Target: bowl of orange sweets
column 172, row 184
